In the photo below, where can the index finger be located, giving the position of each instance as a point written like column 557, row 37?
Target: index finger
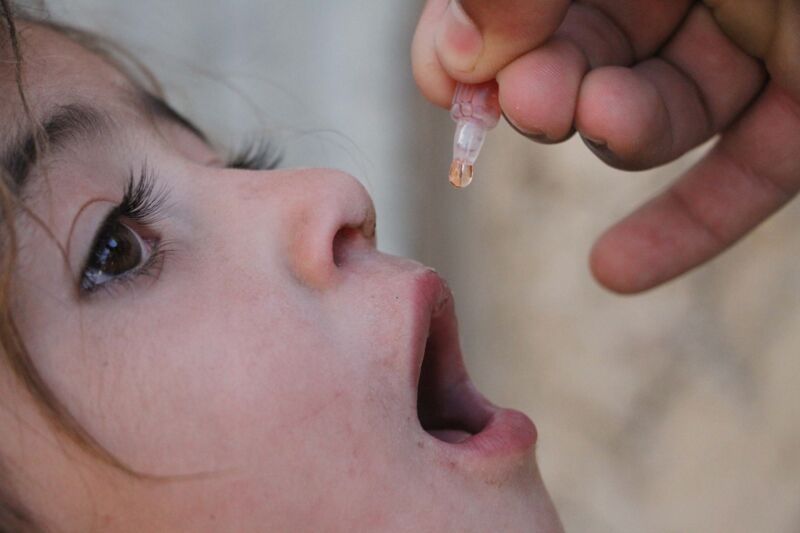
column 750, row 174
column 472, row 40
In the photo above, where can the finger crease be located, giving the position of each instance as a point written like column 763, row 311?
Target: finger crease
column 787, row 103
column 615, row 26
column 581, row 51
column 781, row 192
column 670, row 129
column 698, row 91
column 676, row 194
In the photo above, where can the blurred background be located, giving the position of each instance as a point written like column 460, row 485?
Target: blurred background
column 677, row 410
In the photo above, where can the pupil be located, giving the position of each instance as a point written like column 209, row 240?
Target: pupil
column 120, row 253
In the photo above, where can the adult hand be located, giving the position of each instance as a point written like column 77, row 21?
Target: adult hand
column 642, row 81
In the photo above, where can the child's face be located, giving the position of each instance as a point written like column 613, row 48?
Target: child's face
column 245, row 337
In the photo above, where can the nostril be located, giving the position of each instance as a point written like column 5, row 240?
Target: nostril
column 354, row 237
column 348, row 241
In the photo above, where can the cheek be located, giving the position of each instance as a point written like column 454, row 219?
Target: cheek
column 177, row 385
column 240, row 375
column 216, row 383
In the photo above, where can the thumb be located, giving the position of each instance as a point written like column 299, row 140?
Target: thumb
column 475, row 39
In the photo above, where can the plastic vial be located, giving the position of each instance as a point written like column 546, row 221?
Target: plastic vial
column 475, row 110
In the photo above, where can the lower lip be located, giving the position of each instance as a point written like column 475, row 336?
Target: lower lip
column 508, row 433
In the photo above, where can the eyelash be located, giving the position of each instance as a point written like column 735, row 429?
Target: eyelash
column 257, row 154
column 139, row 209
column 142, row 204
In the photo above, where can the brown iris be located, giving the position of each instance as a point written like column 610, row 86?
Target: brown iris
column 116, row 251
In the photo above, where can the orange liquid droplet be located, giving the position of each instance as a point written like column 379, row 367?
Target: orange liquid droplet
column 460, row 174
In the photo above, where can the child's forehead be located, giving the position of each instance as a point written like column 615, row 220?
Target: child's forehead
column 73, row 94
column 57, row 70
column 64, row 80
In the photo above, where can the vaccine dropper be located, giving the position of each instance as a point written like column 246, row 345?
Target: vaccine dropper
column 475, row 110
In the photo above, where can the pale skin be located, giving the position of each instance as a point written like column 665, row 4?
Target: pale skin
column 260, row 376
column 642, row 82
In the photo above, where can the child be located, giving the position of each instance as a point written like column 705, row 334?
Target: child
column 200, row 345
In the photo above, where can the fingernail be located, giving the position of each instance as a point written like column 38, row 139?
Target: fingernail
column 533, row 134
column 459, row 43
column 599, row 147
column 594, row 143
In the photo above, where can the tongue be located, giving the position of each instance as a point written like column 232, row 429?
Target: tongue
column 453, row 436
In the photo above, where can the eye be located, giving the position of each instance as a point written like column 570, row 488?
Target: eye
column 127, row 245
column 117, row 253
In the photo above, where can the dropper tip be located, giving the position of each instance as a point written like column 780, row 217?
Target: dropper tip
column 460, row 173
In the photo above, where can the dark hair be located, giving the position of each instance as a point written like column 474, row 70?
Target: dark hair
column 13, row 516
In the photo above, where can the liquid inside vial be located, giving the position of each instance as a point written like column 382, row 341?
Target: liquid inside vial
column 460, row 173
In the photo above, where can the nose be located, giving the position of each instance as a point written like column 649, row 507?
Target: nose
column 328, row 220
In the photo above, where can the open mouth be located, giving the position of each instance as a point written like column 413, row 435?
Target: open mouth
column 449, row 406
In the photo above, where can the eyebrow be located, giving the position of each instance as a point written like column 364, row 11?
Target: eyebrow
column 74, row 123
column 65, row 124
